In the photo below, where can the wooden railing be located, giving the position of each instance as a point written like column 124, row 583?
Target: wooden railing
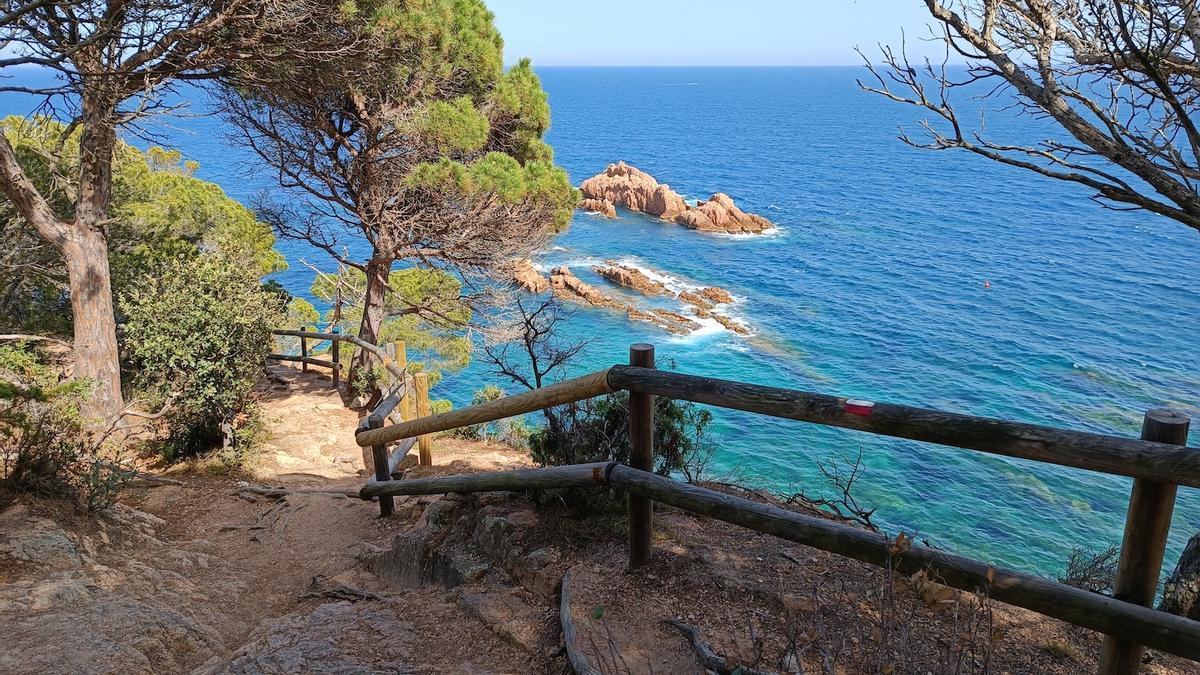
column 1158, row 462
column 403, row 396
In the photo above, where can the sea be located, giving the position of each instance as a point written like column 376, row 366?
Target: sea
column 895, row 274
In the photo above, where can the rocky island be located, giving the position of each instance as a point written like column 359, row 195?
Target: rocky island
column 623, row 185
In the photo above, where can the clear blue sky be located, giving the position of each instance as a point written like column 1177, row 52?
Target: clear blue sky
column 706, row 32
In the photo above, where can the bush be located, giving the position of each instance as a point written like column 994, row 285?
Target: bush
column 597, row 430
column 44, row 449
column 198, row 331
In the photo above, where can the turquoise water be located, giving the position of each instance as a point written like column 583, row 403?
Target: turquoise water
column 873, row 287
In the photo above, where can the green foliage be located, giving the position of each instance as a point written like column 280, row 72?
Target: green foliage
column 433, row 336
column 160, row 211
column 44, row 449
column 455, row 126
column 597, row 430
column 198, row 330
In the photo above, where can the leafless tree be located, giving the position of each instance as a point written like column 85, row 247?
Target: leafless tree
column 112, row 64
column 530, row 349
column 1116, row 82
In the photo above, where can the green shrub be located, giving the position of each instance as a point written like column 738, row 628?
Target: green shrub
column 198, row 331
column 44, row 449
column 597, row 430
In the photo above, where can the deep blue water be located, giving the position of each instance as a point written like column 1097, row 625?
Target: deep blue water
column 873, row 287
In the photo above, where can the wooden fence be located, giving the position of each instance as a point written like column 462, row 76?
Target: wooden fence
column 1158, row 462
column 403, row 396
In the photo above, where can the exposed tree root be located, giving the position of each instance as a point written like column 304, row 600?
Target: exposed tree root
column 579, row 662
column 709, row 658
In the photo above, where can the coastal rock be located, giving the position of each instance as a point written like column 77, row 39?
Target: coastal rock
column 628, row 186
column 567, row 285
column 526, row 276
column 630, row 277
column 720, row 214
column 601, row 206
column 730, row 324
column 716, row 295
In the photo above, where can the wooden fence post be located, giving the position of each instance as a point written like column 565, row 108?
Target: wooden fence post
column 1145, row 541
column 641, row 456
column 425, row 441
column 379, row 457
column 335, row 347
column 303, row 350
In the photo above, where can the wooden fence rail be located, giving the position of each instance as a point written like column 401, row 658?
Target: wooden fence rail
column 1159, row 462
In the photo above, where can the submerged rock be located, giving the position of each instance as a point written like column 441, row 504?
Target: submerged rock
column 570, row 287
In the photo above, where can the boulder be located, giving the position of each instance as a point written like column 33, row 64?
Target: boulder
column 720, row 214
column 628, row 186
column 631, row 277
column 601, row 206
column 527, row 277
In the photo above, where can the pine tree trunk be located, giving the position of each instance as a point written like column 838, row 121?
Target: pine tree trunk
column 374, row 308
column 86, row 254
column 96, row 357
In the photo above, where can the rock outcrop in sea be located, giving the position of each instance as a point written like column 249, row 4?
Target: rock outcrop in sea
column 601, row 206
column 526, row 276
column 628, row 186
column 567, row 286
column 702, row 301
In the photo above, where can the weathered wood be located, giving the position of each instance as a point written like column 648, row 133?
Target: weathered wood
column 308, row 361
column 1098, row 612
column 383, row 473
column 1145, row 542
column 424, row 441
column 641, row 456
column 388, row 403
column 406, row 401
column 303, row 352
column 517, row 480
column 579, row 662
column 399, row 453
column 335, row 354
column 568, row 391
column 352, row 339
column 1109, row 454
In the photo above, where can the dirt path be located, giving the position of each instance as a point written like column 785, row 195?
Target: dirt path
column 203, row 577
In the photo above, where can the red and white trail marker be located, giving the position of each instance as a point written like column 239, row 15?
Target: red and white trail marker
column 856, row 406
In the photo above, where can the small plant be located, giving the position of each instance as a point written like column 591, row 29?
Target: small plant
column 44, row 449
column 1092, row 570
column 513, row 431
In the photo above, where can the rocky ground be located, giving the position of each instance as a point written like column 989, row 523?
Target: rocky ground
column 205, row 577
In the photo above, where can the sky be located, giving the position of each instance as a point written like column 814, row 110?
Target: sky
column 706, row 32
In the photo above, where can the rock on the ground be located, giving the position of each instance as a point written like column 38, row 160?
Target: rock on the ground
column 601, row 206
column 337, row 637
column 507, row 614
column 628, row 186
column 720, row 214
column 527, row 277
